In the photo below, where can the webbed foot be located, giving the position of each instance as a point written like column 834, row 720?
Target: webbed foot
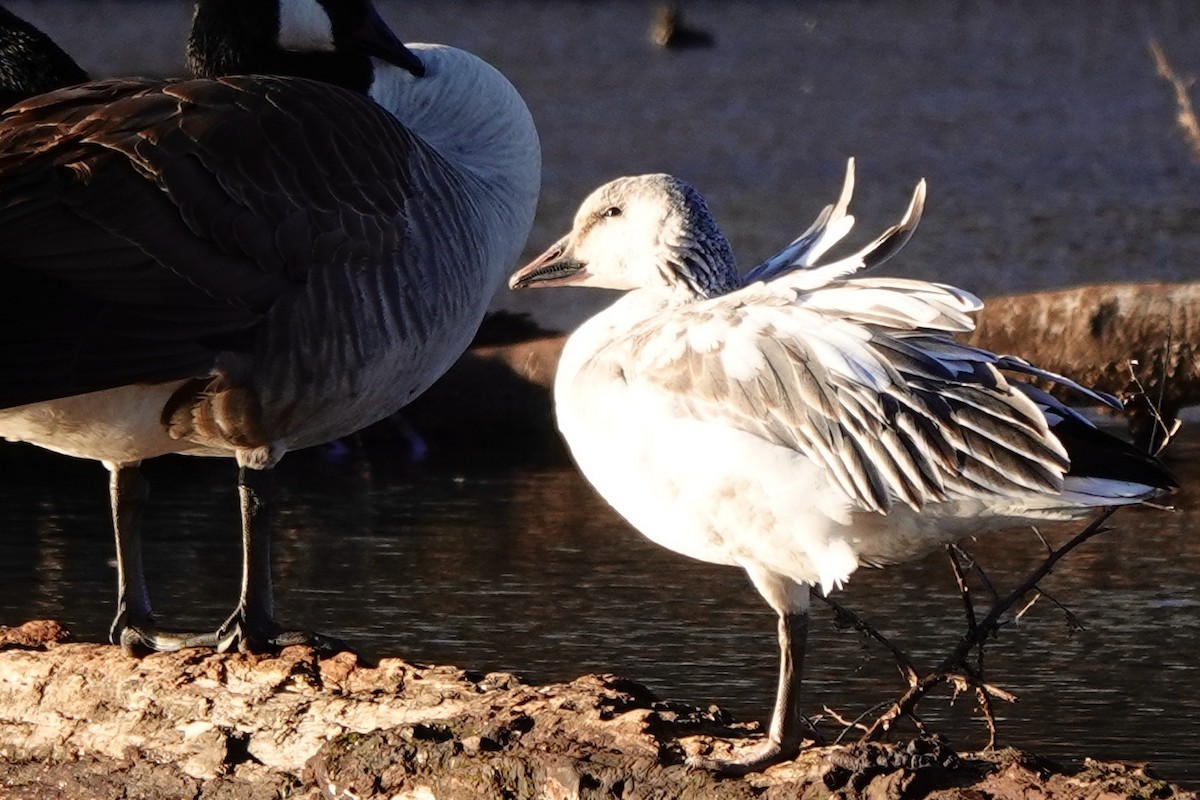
column 753, row 759
column 239, row 633
column 138, row 635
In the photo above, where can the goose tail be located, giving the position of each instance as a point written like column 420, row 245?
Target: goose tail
column 1107, row 470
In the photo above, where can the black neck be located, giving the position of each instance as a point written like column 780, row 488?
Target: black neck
column 239, row 37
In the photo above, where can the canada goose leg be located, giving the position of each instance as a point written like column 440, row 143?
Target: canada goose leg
column 128, row 492
column 786, row 734
column 133, row 627
column 252, row 627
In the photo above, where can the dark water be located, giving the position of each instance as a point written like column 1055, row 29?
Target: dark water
column 496, row 565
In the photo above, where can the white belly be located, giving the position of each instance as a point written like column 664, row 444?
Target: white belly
column 118, row 426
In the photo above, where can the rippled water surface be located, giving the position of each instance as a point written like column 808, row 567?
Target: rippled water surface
column 501, row 566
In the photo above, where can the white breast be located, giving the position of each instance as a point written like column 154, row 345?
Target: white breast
column 701, row 488
column 117, row 426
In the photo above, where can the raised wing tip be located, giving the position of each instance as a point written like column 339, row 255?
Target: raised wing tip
column 916, row 206
column 894, row 238
column 843, row 201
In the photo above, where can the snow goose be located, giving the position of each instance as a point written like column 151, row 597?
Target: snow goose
column 30, row 62
column 246, row 266
column 799, row 422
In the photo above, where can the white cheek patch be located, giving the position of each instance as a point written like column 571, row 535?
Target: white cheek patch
column 304, row 25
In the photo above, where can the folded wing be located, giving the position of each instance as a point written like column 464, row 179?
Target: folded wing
column 862, row 378
column 147, row 226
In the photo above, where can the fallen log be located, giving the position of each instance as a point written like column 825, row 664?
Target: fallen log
column 86, row 721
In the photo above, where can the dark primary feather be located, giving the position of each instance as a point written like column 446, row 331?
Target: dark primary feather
column 158, row 223
column 1096, row 454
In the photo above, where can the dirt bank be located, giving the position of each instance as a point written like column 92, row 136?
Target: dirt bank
column 86, row 721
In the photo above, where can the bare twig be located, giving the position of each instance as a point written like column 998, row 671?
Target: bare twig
column 965, row 592
column 1073, row 622
column 1186, row 115
column 977, row 568
column 1028, row 605
column 989, row 716
column 1042, row 539
column 849, row 724
column 847, row 618
column 963, row 589
column 1159, row 425
column 965, row 680
column 958, row 656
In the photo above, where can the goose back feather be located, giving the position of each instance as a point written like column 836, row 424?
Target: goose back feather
column 276, row 239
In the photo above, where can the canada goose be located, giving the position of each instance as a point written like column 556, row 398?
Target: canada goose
column 30, row 62
column 251, row 265
column 800, row 422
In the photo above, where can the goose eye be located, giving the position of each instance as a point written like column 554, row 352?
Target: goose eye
column 611, row 211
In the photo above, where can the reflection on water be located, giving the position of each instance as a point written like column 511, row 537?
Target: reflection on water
column 522, row 568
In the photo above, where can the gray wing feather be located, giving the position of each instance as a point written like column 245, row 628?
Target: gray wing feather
column 902, row 414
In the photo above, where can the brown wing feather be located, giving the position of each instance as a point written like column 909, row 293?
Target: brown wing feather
column 145, row 226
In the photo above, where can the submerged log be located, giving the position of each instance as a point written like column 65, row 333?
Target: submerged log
column 498, row 394
column 84, row 720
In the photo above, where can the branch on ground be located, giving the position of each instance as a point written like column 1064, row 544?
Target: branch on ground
column 954, row 668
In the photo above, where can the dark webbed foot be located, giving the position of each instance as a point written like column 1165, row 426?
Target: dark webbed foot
column 251, row 627
column 141, row 636
column 239, row 633
column 753, row 759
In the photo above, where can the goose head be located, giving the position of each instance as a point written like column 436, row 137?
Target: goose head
column 643, row 232
column 334, row 41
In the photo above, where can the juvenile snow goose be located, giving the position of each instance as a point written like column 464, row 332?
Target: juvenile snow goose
column 30, row 62
column 251, row 265
column 801, row 422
